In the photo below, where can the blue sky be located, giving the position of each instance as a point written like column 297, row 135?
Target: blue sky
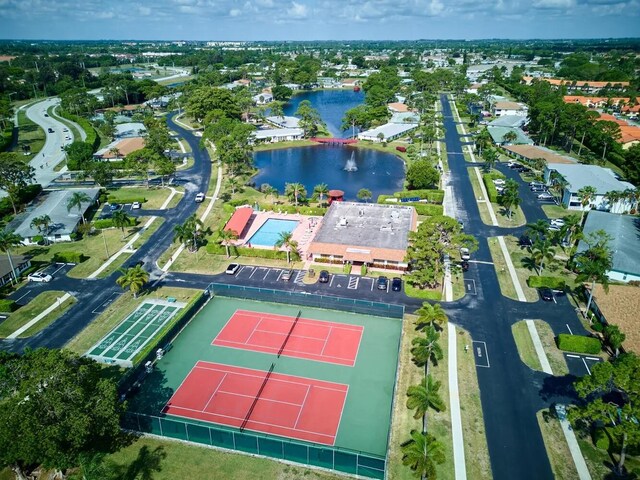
column 317, row 19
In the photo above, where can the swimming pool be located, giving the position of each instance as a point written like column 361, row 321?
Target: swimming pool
column 269, row 233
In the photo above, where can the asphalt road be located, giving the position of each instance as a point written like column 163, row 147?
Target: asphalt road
column 510, row 392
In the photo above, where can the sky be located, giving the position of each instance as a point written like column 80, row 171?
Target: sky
column 317, row 19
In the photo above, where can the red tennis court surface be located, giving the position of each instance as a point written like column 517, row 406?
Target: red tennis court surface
column 289, row 406
column 311, row 339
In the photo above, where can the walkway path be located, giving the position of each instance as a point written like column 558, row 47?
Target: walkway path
column 454, row 404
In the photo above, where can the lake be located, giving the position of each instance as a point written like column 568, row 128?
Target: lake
column 380, row 172
column 330, row 104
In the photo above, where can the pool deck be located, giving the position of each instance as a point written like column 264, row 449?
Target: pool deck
column 307, row 228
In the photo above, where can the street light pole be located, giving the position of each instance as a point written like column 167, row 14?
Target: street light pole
column 105, row 243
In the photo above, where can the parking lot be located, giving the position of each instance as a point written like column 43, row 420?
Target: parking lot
column 31, row 290
column 581, row 365
column 106, row 211
column 267, row 276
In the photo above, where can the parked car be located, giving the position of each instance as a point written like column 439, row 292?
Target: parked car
column 546, row 294
column 114, row 206
column 513, row 165
column 537, row 188
column 545, row 196
column 232, row 269
column 65, row 129
column 396, row 284
column 553, row 228
column 200, row 197
column 525, row 241
column 464, row 253
column 39, row 277
column 383, row 282
column 324, row 276
column 558, row 222
column 533, row 184
column 286, row 276
column 136, row 206
column 499, row 182
column 465, row 265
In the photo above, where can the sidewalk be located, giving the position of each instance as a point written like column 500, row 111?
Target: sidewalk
column 454, row 404
column 39, row 317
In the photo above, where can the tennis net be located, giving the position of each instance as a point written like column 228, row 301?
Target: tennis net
column 293, row 325
column 257, row 397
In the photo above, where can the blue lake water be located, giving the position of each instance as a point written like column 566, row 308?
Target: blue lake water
column 380, row 172
column 269, row 232
column 331, row 105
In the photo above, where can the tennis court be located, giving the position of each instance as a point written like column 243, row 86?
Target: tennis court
column 131, row 335
column 278, row 404
column 305, row 338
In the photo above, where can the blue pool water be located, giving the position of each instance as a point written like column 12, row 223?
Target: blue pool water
column 269, row 233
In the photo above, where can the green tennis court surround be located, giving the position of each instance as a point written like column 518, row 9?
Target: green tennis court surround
column 179, row 400
column 123, row 343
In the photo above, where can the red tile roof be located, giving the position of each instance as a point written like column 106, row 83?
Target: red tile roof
column 239, row 220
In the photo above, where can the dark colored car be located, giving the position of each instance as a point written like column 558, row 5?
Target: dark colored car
column 546, row 294
column 396, row 284
column 465, row 265
column 525, row 241
column 383, row 282
column 323, row 277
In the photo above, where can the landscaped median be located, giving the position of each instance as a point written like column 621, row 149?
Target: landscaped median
column 504, row 278
column 517, row 217
column 35, row 307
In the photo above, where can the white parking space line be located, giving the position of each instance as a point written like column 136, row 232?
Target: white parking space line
column 279, row 275
column 103, row 306
column 266, row 274
column 569, row 328
column 585, row 365
column 372, row 283
column 299, row 276
column 58, row 269
column 595, row 359
column 254, row 271
column 332, row 279
column 572, row 356
column 353, row 283
column 481, row 261
column 18, row 299
column 481, row 354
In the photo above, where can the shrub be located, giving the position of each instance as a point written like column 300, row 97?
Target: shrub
column 601, row 438
column 8, row 306
column 556, row 283
column 92, row 135
column 217, row 249
column 578, row 344
column 488, row 178
column 116, row 199
column 69, row 257
column 363, row 270
column 347, row 268
column 426, row 209
column 434, row 196
column 108, row 222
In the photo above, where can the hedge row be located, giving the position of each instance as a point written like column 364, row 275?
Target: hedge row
column 579, row 344
column 5, row 138
column 427, row 209
column 108, row 223
column 432, row 196
column 301, row 209
column 488, row 178
column 8, row 306
column 116, row 199
column 92, row 136
column 556, row 283
column 215, row 248
column 70, row 257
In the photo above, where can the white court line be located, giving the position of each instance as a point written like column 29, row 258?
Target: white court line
column 309, row 356
column 326, row 339
column 304, row 400
column 236, row 394
column 214, row 392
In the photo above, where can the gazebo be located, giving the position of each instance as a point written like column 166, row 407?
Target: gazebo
column 335, row 196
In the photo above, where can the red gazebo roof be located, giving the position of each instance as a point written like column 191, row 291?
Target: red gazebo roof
column 336, row 193
column 239, row 220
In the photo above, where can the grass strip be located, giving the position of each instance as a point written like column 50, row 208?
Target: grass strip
column 35, row 307
column 525, row 346
column 556, row 445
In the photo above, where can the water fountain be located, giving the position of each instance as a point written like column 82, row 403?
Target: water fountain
column 351, row 166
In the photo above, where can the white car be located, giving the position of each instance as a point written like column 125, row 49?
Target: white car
column 136, row 206
column 499, row 182
column 545, row 196
column 232, row 269
column 39, row 277
column 557, row 222
column 200, row 197
column 464, row 253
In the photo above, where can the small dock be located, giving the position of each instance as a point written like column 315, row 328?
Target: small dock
column 334, row 141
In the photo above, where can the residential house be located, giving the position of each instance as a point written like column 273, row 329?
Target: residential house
column 262, row 98
column 387, row 132
column 284, row 121
column 579, row 85
column 528, row 153
column 503, row 108
column 498, row 136
column 20, row 264
column 620, row 306
column 274, row 135
column 119, row 149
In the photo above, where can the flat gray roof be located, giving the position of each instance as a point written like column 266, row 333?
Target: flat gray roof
column 284, row 121
column 625, row 238
column 579, row 176
column 367, row 225
column 389, row 130
column 54, row 204
column 514, row 121
column 277, row 132
column 498, row 133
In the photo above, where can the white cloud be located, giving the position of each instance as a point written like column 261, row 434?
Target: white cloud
column 297, row 11
column 144, row 11
column 554, row 4
column 234, row 12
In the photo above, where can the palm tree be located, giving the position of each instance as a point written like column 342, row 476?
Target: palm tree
column 586, row 195
column 509, row 137
column 490, row 157
column 613, row 198
column 42, row 223
column 291, row 246
column 594, row 263
column 294, row 191
column 540, row 251
column 188, row 233
column 510, row 198
column 632, row 195
column 8, row 240
column 320, row 190
column 537, row 230
column 225, row 237
column 421, row 453
column 423, row 397
column 558, row 184
column 430, row 314
column 76, row 200
column 270, row 191
column 133, row 278
column 570, row 227
column 426, row 349
column 120, row 220
column 233, row 184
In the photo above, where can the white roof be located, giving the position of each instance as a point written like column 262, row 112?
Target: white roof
column 133, row 129
column 580, row 176
column 388, row 130
column 277, row 132
column 284, row 121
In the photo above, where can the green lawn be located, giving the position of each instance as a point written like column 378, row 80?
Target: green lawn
column 29, row 134
column 155, row 195
column 556, row 357
column 556, row 211
column 504, row 278
column 556, row 446
column 118, row 311
column 526, row 350
column 517, row 218
column 426, row 294
column 70, row 125
column 34, row 308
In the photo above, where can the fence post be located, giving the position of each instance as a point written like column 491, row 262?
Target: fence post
column 160, row 423
column 186, row 431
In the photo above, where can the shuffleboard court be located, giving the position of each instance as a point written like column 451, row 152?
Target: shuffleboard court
column 317, row 340
column 287, row 406
column 131, row 335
